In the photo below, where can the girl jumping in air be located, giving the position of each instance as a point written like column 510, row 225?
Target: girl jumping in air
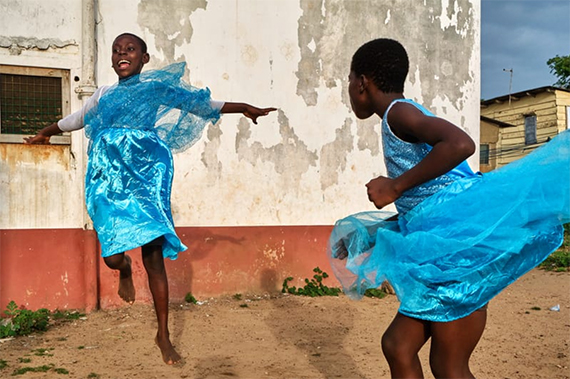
column 459, row 237
column 133, row 126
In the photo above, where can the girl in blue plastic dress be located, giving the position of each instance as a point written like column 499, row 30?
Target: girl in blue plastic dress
column 459, row 237
column 133, row 126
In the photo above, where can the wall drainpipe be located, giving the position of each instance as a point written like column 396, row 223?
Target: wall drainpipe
column 86, row 88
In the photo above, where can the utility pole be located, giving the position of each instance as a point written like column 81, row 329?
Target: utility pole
column 510, row 83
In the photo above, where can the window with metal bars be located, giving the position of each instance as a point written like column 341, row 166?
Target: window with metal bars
column 31, row 99
column 530, row 129
column 484, row 153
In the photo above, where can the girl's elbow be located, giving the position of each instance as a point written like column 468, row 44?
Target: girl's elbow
column 467, row 148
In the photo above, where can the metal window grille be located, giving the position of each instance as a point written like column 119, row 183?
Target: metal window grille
column 29, row 103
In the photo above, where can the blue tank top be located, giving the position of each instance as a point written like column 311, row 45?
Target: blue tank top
column 400, row 156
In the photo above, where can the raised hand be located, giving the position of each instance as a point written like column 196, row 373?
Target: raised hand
column 254, row 112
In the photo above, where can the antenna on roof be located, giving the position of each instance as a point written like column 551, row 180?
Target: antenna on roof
column 510, row 83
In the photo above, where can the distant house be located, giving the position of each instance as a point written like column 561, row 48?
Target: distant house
column 514, row 125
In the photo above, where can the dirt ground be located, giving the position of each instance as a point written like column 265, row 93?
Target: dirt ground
column 284, row 336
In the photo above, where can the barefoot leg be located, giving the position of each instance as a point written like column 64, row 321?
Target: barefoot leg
column 122, row 262
column 158, row 283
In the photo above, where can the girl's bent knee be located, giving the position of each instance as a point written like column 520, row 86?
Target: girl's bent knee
column 114, row 261
column 391, row 347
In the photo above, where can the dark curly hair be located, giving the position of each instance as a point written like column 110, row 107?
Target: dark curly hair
column 139, row 40
column 383, row 60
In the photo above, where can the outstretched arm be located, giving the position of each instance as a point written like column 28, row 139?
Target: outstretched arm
column 44, row 135
column 450, row 147
column 248, row 110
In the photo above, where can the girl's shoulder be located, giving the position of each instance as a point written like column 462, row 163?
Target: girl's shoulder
column 407, row 105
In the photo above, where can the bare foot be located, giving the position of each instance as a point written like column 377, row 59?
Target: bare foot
column 169, row 355
column 126, row 286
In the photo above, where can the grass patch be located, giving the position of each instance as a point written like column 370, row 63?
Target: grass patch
column 23, row 370
column 3, row 364
column 41, row 352
column 66, row 315
column 559, row 261
column 375, row 292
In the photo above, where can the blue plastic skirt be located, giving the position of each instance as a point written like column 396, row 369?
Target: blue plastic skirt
column 132, row 131
column 456, row 250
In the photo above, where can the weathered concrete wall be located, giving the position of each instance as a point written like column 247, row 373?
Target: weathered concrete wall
column 308, row 163
column 301, row 167
column 305, row 164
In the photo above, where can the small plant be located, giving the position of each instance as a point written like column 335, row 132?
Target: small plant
column 24, row 360
column 3, row 364
column 244, row 305
column 237, row 296
column 20, row 322
column 535, row 308
column 93, row 375
column 190, row 298
column 375, row 292
column 313, row 287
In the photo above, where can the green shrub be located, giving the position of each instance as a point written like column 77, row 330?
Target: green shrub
column 21, row 322
column 313, row 287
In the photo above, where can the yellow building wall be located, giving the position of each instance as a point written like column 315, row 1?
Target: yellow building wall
column 550, row 110
column 489, row 136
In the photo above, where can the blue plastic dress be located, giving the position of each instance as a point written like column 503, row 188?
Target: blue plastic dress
column 132, row 131
column 461, row 239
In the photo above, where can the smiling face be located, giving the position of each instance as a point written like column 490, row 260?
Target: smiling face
column 128, row 57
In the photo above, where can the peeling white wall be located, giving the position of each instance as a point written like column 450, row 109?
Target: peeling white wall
column 42, row 190
column 307, row 163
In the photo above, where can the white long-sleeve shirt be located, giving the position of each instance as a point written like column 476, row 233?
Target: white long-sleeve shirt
column 74, row 121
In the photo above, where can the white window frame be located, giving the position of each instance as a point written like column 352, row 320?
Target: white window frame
column 61, row 139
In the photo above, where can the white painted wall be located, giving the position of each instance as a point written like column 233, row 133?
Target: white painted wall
column 304, row 165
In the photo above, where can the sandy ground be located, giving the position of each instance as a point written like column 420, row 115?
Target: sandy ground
column 283, row 336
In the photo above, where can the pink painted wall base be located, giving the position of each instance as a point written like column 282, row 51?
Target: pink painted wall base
column 62, row 269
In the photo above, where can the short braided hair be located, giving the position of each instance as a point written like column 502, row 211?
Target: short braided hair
column 383, row 60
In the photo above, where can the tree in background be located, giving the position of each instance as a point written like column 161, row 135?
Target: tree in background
column 560, row 67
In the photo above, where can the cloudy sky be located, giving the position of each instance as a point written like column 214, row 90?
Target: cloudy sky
column 521, row 35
